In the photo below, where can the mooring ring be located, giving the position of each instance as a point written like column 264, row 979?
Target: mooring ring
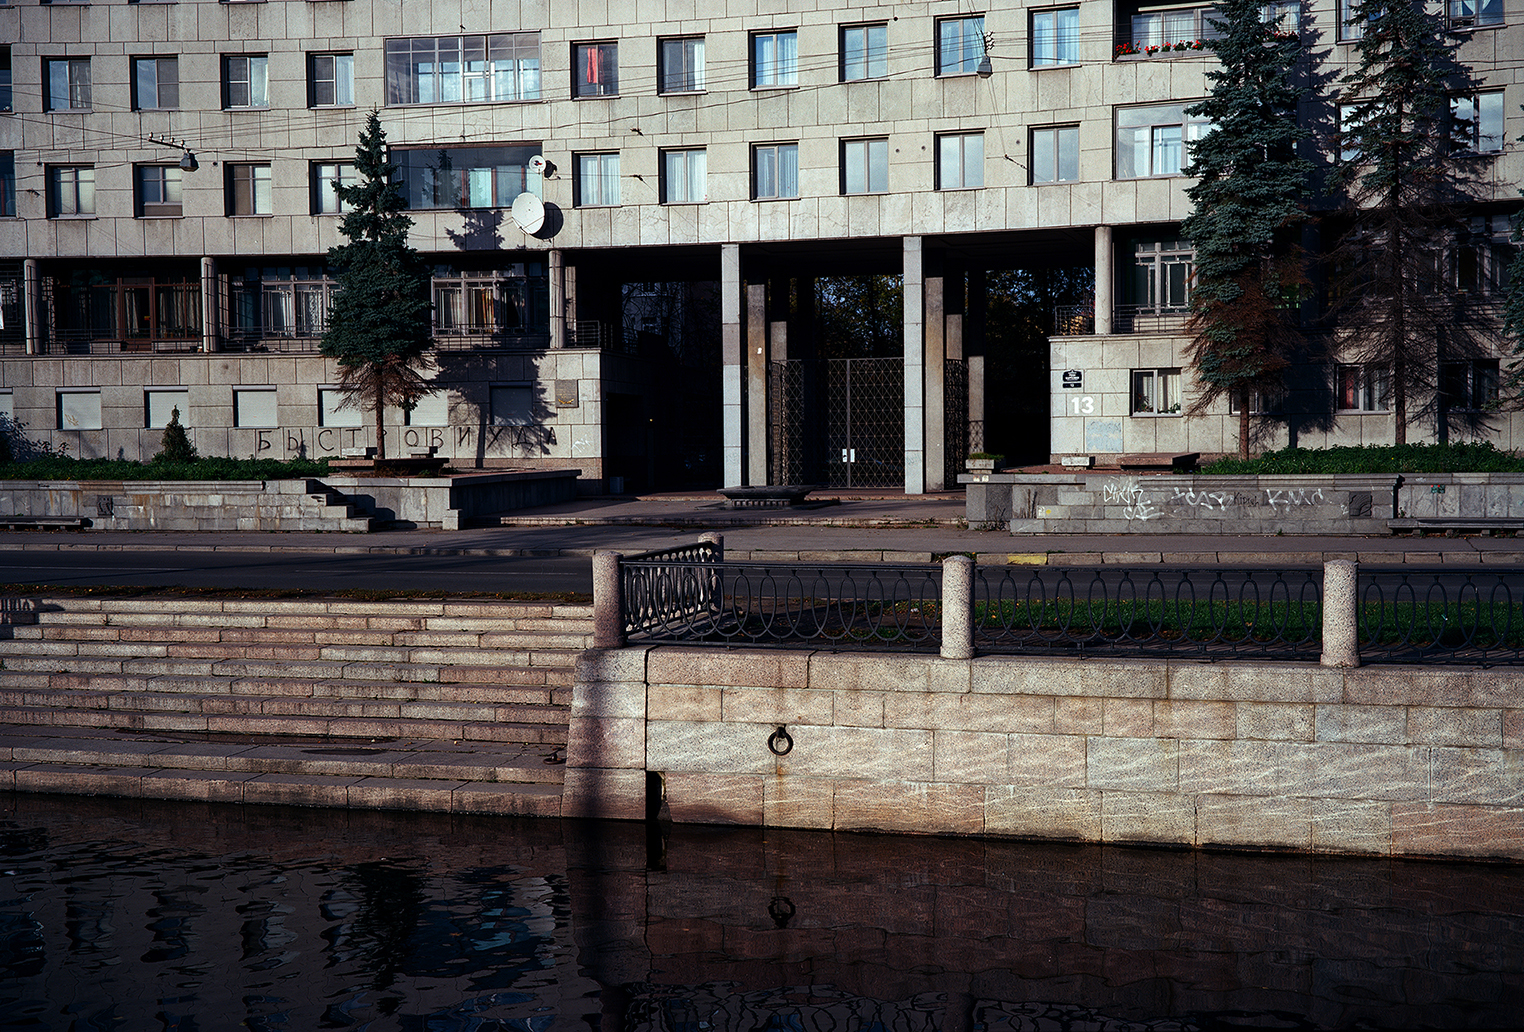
column 779, row 742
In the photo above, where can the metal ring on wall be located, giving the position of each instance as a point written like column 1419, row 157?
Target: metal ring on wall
column 779, row 742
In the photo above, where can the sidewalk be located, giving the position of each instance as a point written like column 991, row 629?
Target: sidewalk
column 860, row 528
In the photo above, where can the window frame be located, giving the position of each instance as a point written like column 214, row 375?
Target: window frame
column 269, row 394
column 783, row 72
column 693, row 80
column 962, row 137
column 241, row 187
column 1060, row 133
column 248, row 79
column 1161, row 403
column 164, row 208
column 963, row 62
column 1369, row 384
column 1479, row 381
column 153, row 402
column 686, row 155
column 1056, row 39
column 60, row 393
column 6, row 95
column 315, row 79
column 869, row 59
column 583, row 87
column 7, row 184
column 55, row 184
column 870, row 144
column 322, row 186
column 1479, row 18
column 75, row 89
column 159, row 62
column 476, row 171
column 526, row 75
column 602, row 176
column 1192, row 129
column 1471, row 141
column 777, row 151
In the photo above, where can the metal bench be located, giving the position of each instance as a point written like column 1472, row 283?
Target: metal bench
column 45, row 522
column 766, row 496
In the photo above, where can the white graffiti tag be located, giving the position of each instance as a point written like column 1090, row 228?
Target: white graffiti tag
column 1203, row 499
column 1136, row 505
column 1289, row 497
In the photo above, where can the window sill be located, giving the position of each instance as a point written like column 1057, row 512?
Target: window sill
column 681, row 93
column 1155, row 415
column 772, row 200
column 594, row 96
column 331, row 107
column 160, row 218
column 1053, row 65
column 72, row 218
column 260, row 215
column 683, row 204
column 771, row 88
column 265, row 107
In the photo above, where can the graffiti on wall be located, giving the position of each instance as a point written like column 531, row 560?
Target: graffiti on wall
column 317, row 442
column 1140, row 503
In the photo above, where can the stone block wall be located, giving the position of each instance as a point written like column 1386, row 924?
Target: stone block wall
column 1387, row 760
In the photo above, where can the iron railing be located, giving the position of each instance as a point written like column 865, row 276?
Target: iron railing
column 1413, row 617
column 670, row 590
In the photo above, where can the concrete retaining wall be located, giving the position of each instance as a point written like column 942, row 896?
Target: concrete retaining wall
column 1128, row 503
column 450, row 502
column 1387, row 761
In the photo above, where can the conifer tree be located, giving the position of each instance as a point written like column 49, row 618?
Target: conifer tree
column 1406, row 181
column 380, row 325
column 1513, row 305
column 175, row 444
column 1248, row 209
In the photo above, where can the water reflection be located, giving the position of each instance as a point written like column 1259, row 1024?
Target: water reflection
column 126, row 915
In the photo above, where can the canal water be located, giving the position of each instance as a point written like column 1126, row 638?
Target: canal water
column 129, row 915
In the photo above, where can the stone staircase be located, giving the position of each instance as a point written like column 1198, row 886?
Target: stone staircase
column 446, row 705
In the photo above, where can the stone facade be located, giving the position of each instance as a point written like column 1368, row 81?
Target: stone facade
column 1387, row 760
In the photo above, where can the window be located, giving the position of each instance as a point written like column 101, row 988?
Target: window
column 5, row 78
column 1469, row 386
column 249, row 190
column 1363, row 388
column 158, row 191
column 774, row 59
column 280, row 301
column 1283, row 15
column 681, row 64
column 1477, row 121
column 597, row 181
column 498, row 68
column 160, row 404
column 1155, row 140
column 7, row 184
column 775, row 171
column 155, row 83
column 960, row 45
column 684, row 175
column 512, row 404
column 68, row 80
column 1259, row 402
column 1055, row 37
column 245, row 81
column 432, row 409
column 960, row 161
column 864, row 52
column 467, row 177
column 333, row 412
column 865, row 166
column 330, row 80
column 595, row 69
column 1474, row 13
column 1348, row 126
column 71, row 191
column 1055, row 154
column 325, row 200
column 1161, row 277
column 1156, row 392
column 510, row 302
column 1483, row 254
column 254, row 406
column 1350, row 28
column 79, row 409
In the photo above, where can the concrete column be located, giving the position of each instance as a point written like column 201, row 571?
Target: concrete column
column 915, row 366
column 608, row 602
column 778, row 319
column 756, row 383
column 556, row 271
column 1105, row 278
column 973, row 350
column 718, row 541
column 733, row 429
column 936, row 376
column 31, row 306
column 211, row 308
column 957, row 607
column 1341, row 627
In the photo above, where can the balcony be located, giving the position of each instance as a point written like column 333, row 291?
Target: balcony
column 1144, row 32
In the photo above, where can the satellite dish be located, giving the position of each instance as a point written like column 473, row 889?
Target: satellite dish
column 537, row 164
column 528, row 212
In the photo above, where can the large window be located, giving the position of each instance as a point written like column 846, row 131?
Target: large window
column 775, row 171
column 330, row 80
column 466, row 177
column 278, row 301
column 684, row 176
column 864, row 52
column 960, row 45
column 1055, row 154
column 1156, row 392
column 597, row 181
column 155, row 83
column 249, row 190
column 774, row 59
column 325, row 198
column 1469, row 386
column 1474, row 13
column 507, row 302
column 681, row 64
column 1055, row 37
column 71, row 191
column 595, row 69
column 161, row 403
column 79, row 408
column 1478, row 121
column 865, row 166
column 68, row 83
column 960, row 161
column 245, row 81
column 7, row 184
column 1154, row 140
column 1162, row 271
column 1363, row 388
column 158, row 191
column 463, row 69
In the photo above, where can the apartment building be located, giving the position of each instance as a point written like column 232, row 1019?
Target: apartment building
column 167, row 202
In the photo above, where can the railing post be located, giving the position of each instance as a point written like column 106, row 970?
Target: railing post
column 1341, row 626
column 718, row 541
column 957, row 607
column 608, row 602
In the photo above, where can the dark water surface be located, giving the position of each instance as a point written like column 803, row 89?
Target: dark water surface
column 119, row 914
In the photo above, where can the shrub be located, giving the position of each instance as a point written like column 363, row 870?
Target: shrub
column 175, row 445
column 1479, row 457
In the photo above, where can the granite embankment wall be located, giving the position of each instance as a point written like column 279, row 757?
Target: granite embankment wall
column 1390, row 760
column 1127, row 503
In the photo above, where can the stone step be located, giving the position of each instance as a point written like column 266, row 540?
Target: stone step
column 512, row 668
column 539, row 688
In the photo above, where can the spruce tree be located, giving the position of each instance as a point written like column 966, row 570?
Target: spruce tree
column 1406, row 186
column 1248, row 208
column 175, row 444
column 1513, row 307
column 380, row 324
